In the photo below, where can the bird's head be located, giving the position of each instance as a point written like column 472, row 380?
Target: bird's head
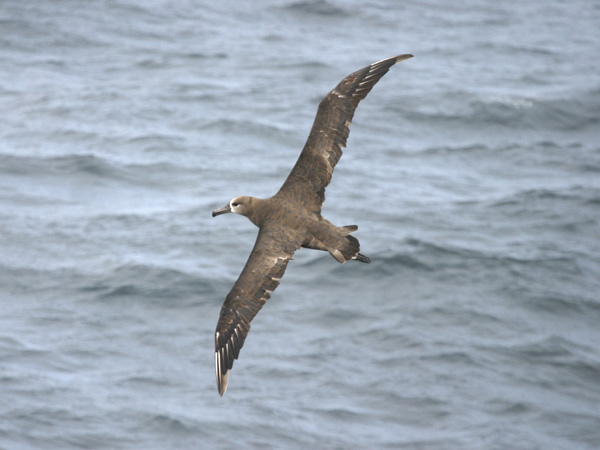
column 239, row 205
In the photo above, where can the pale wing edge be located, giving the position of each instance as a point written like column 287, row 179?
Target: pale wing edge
column 265, row 267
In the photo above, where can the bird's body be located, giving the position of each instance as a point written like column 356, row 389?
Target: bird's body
column 292, row 218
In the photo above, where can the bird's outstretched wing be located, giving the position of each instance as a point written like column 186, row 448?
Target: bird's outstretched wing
column 310, row 176
column 266, row 265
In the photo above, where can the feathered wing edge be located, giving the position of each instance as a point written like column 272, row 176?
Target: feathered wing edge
column 329, row 133
column 261, row 275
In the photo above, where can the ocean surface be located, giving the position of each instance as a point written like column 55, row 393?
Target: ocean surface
column 472, row 170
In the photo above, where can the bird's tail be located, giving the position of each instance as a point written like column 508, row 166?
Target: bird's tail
column 347, row 249
column 347, row 229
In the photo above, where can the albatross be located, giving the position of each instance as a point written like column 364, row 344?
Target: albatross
column 292, row 218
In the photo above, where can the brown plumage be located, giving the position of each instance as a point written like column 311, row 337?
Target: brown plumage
column 292, row 217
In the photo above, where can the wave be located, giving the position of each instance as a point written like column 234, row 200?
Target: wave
column 92, row 170
column 554, row 351
column 241, row 127
column 317, row 8
column 584, row 195
column 563, row 305
column 66, row 165
column 419, row 255
column 577, row 112
column 151, row 283
column 138, row 282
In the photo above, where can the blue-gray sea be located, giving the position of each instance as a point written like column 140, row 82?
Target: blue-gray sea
column 472, row 170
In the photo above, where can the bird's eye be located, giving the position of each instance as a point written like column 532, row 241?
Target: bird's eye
column 235, row 205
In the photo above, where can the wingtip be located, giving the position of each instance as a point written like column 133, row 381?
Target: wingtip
column 401, row 58
column 392, row 60
column 222, row 378
column 222, row 384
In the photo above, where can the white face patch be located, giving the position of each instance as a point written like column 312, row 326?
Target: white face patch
column 233, row 208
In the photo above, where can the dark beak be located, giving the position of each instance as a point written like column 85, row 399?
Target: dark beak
column 224, row 210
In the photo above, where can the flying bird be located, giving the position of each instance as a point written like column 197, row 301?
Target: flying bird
column 292, row 218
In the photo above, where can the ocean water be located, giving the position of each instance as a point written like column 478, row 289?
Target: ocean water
column 473, row 171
